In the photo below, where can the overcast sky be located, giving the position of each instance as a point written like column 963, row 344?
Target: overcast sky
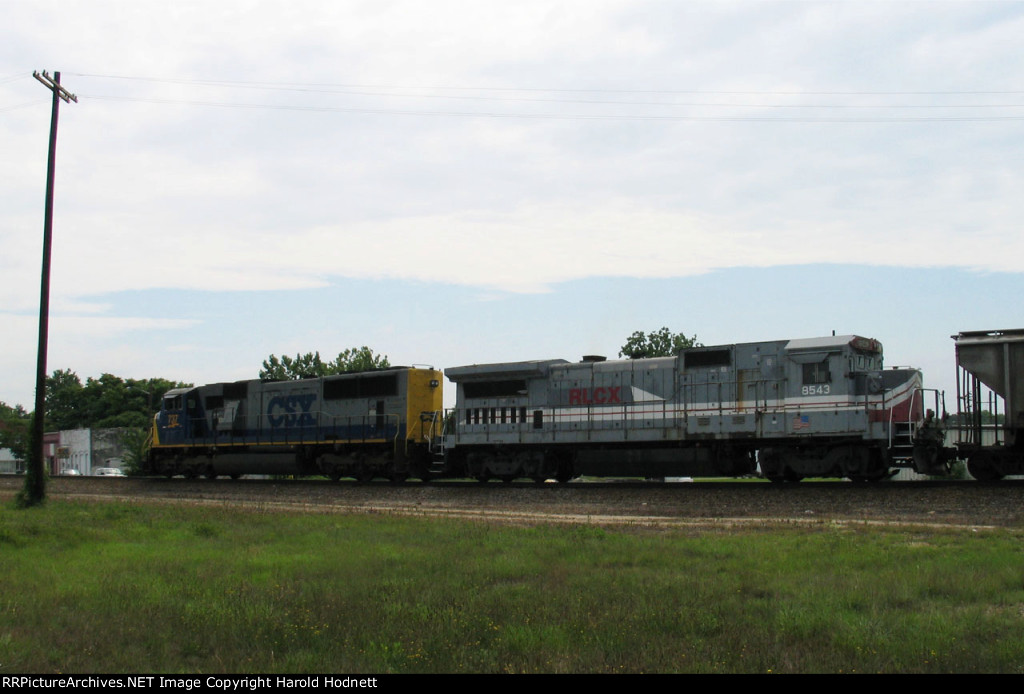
column 454, row 182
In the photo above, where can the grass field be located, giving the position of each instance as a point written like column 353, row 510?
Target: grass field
column 124, row 588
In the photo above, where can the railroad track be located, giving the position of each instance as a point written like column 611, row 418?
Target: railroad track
column 664, row 505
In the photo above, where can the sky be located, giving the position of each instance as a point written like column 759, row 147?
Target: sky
column 471, row 181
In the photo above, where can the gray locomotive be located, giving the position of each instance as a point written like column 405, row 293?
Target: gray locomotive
column 794, row 408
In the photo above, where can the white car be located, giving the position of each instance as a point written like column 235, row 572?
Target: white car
column 108, row 472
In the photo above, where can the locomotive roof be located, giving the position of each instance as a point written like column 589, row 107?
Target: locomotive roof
column 541, row 367
column 834, row 342
column 518, row 369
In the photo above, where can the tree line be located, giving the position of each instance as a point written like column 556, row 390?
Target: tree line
column 99, row 403
column 310, row 365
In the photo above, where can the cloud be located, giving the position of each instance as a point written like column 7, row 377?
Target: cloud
column 504, row 148
column 530, row 248
column 90, row 344
column 393, row 178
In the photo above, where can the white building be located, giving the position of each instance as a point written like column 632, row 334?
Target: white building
column 80, row 451
column 8, row 464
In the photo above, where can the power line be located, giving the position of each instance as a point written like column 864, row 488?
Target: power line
column 889, row 112
column 14, row 77
column 602, row 102
column 304, row 85
column 4, row 109
column 554, row 116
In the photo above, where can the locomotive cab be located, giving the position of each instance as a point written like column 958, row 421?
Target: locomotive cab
column 172, row 423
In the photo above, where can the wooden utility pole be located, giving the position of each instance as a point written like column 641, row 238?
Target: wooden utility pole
column 35, row 472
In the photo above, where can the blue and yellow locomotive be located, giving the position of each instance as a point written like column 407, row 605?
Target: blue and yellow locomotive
column 363, row 425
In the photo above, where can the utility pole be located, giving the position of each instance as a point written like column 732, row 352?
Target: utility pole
column 34, row 492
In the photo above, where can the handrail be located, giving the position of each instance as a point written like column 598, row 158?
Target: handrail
column 917, row 398
column 355, row 428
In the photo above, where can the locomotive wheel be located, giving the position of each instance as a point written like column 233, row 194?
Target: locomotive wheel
column 786, row 475
column 563, row 466
column 507, row 479
column 421, row 471
column 982, row 468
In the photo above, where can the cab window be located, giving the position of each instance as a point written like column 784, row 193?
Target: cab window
column 816, row 373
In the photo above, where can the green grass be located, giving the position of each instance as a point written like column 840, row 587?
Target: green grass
column 90, row 587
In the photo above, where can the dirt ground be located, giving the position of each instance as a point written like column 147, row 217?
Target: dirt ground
column 631, row 504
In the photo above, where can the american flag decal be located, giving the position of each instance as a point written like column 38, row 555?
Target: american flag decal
column 801, row 421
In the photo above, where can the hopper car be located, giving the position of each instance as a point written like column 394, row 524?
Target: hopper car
column 989, row 433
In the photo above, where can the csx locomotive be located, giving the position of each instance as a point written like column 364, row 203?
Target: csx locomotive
column 362, row 425
column 821, row 407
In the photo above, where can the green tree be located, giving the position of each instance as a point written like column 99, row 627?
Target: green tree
column 15, row 426
column 286, row 369
column 64, row 401
column 357, row 359
column 145, row 395
column 135, row 444
column 310, row 365
column 107, row 401
column 660, row 343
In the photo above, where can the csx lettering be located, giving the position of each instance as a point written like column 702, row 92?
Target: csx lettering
column 594, row 396
column 291, row 410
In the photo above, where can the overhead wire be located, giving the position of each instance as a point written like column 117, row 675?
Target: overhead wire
column 498, row 95
column 261, row 84
column 550, row 116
